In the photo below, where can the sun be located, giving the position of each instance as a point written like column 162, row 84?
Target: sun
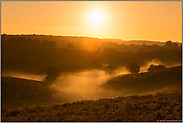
column 96, row 17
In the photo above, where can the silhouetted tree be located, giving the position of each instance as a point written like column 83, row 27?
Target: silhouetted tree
column 52, row 44
column 143, row 45
column 47, row 43
column 132, row 45
column 70, row 45
column 162, row 49
column 154, row 68
column 140, row 50
column 3, row 37
column 52, row 70
column 109, row 50
column 172, row 45
column 175, row 45
column 52, row 73
column 133, row 67
column 155, row 45
column 36, row 43
column 168, row 43
column 110, row 69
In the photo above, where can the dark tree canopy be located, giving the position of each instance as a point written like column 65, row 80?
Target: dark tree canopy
column 52, row 70
column 47, row 43
column 109, row 50
column 70, row 45
column 140, row 50
column 154, row 68
column 110, row 69
column 52, row 73
column 133, row 67
column 168, row 43
column 171, row 45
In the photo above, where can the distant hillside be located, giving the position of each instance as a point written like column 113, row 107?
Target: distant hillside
column 62, row 42
column 80, row 38
column 35, row 53
column 169, row 79
column 164, row 107
column 16, row 92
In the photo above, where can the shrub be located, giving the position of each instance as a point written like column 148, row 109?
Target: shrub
column 133, row 67
column 154, row 68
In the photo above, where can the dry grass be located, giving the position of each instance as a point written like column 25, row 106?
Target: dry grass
column 131, row 108
column 16, row 92
column 38, row 103
column 170, row 78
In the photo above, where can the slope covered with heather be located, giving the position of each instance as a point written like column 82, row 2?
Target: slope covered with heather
column 16, row 92
column 167, row 80
column 131, row 108
column 130, row 97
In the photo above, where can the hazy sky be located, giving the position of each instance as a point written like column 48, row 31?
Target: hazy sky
column 144, row 20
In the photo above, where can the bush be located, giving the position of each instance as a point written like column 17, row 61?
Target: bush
column 70, row 45
column 52, row 73
column 110, row 69
column 154, row 68
column 133, row 67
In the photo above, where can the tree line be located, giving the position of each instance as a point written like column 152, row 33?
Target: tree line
column 134, row 68
column 77, row 43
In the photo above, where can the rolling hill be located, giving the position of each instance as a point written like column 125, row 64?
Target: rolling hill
column 17, row 92
column 29, row 100
column 158, row 107
column 167, row 80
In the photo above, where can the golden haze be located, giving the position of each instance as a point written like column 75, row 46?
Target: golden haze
column 128, row 20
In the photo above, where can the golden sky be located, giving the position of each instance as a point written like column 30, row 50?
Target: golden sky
column 128, row 20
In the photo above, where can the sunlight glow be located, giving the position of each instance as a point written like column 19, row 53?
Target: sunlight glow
column 96, row 17
column 127, row 20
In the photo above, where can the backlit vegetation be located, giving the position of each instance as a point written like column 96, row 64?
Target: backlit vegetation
column 170, row 78
column 131, row 108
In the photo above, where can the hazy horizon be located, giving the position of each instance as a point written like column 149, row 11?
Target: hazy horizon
column 100, row 38
column 125, row 20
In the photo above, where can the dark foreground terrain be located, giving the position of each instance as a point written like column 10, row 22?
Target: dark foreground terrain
column 29, row 100
column 166, row 80
column 131, row 108
column 16, row 92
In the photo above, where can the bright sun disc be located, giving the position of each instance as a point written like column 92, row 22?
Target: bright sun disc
column 96, row 17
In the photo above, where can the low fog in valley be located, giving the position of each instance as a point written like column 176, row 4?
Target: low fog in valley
column 38, row 73
column 91, row 61
column 84, row 79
